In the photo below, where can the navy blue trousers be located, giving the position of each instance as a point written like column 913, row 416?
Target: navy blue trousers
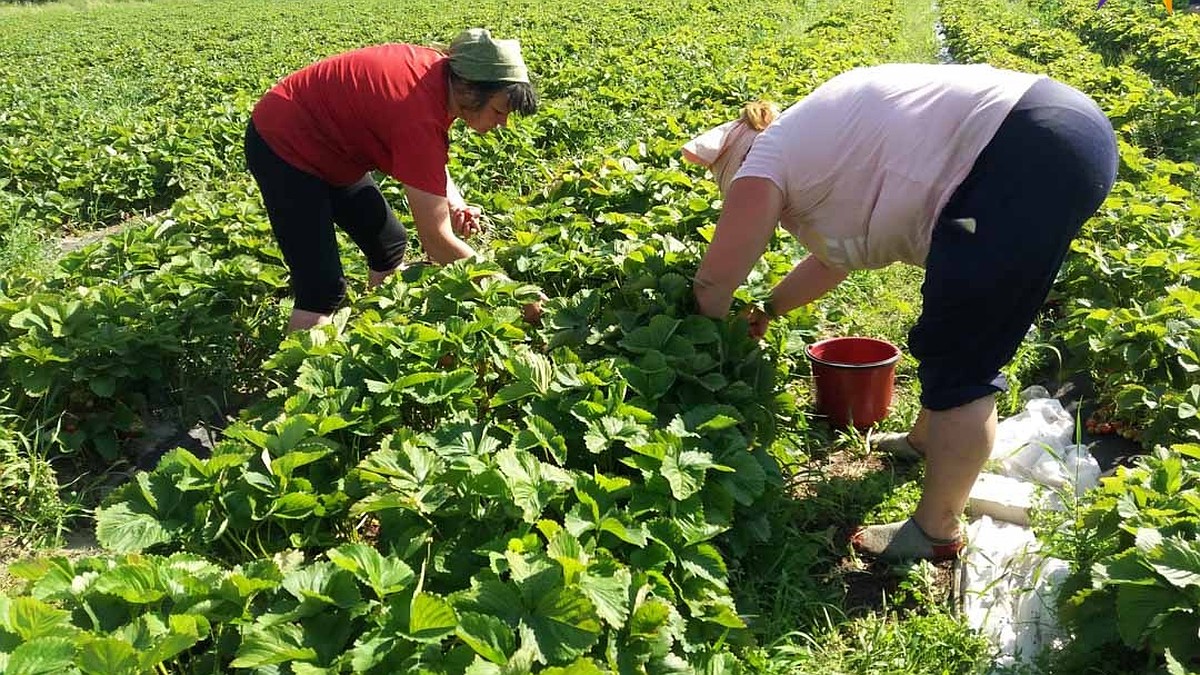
column 1044, row 173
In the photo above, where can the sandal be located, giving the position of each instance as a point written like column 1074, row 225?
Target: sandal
column 897, row 445
column 904, row 541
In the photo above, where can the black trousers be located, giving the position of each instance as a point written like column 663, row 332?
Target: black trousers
column 303, row 210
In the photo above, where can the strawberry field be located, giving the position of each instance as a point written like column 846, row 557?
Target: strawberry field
column 433, row 485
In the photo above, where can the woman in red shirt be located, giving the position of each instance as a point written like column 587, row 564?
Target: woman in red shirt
column 314, row 139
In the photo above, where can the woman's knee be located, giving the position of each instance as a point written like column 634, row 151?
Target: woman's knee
column 319, row 296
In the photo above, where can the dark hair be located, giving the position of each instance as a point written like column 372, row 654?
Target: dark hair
column 472, row 95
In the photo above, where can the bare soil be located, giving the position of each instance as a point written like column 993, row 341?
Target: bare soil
column 870, row 586
column 77, row 544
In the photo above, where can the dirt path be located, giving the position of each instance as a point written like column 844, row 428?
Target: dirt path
column 77, row 544
column 74, row 243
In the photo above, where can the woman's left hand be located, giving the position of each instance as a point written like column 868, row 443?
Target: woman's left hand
column 466, row 220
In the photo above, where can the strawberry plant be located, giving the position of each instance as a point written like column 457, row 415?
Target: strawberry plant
column 1135, row 559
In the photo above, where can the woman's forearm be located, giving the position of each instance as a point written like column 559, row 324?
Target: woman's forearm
column 747, row 222
column 808, row 280
column 453, row 194
column 431, row 215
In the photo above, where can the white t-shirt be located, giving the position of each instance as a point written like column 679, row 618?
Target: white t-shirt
column 867, row 160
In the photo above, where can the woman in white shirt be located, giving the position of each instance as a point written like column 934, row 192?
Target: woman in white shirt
column 982, row 176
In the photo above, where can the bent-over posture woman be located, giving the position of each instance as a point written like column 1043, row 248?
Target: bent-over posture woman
column 314, row 139
column 979, row 175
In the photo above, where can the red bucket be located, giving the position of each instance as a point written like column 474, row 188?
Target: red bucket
column 854, row 379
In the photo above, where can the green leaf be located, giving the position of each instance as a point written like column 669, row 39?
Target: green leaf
column 1179, row 562
column 522, row 474
column 372, row 649
column 108, row 656
column 323, row 582
column 717, row 423
column 579, row 667
column 710, row 602
column 699, row 330
column 602, row 433
column 649, row 617
column 712, row 381
column 42, row 656
column 694, row 526
column 34, row 569
column 498, row 598
column 284, row 465
column 431, row 618
column 653, row 337
column 747, row 481
column 289, row 433
column 1174, row 667
column 651, row 375
column 1128, row 566
column 541, row 433
column 265, row 646
column 186, row 631
column 294, row 506
column 332, row 423
column 533, row 368
column 302, row 668
column 705, row 561
column 330, row 633
column 27, row 318
column 1177, row 633
column 134, row 583
column 685, row 471
column 1137, row 608
column 723, row 664
column 669, row 664
column 121, row 530
column 565, row 624
column 103, row 386
column 609, row 594
column 565, row 549
column 626, row 532
column 431, row 387
column 513, row 391
column 489, row 636
column 383, row 575
column 31, row 619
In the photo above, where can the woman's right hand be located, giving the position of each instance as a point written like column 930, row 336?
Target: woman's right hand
column 532, row 313
column 434, row 219
column 759, row 322
column 466, row 220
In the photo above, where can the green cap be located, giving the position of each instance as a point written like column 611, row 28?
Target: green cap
column 475, row 56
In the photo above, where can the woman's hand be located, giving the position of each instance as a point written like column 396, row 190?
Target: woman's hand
column 433, row 216
column 759, row 321
column 466, row 220
column 532, row 313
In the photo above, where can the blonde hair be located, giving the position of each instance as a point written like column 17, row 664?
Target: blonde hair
column 758, row 115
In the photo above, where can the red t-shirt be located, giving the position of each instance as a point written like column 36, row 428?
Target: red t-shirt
column 382, row 107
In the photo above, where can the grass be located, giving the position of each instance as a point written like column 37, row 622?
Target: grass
column 882, row 643
column 25, row 249
column 32, row 512
column 918, row 42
